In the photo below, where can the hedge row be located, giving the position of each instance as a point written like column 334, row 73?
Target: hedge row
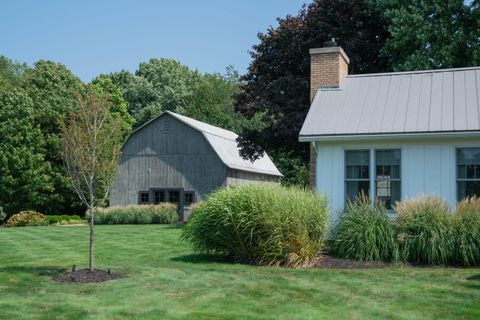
column 425, row 231
column 164, row 213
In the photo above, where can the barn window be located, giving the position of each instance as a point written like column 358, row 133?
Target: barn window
column 174, row 196
column 143, row 197
column 158, row 196
column 387, row 176
column 189, row 198
column 468, row 172
column 357, row 173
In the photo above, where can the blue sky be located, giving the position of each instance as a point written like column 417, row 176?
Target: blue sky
column 93, row 37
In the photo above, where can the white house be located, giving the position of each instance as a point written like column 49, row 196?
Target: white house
column 392, row 135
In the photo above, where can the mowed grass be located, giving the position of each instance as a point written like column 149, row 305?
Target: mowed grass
column 167, row 281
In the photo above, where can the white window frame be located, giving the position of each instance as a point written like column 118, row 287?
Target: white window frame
column 457, row 179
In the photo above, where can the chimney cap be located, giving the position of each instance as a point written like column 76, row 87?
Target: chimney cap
column 325, row 50
column 330, row 43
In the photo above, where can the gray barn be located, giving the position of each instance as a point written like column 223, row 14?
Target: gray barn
column 173, row 158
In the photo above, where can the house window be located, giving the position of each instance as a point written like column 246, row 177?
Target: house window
column 143, row 197
column 189, row 198
column 468, row 172
column 357, row 173
column 387, row 176
column 174, row 196
column 158, row 196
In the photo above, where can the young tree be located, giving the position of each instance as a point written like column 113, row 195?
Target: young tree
column 91, row 140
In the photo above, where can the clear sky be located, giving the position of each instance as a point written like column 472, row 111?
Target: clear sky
column 93, row 37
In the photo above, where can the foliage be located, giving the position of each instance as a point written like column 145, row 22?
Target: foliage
column 365, row 233
column 26, row 218
column 260, row 224
column 425, row 230
column 52, row 88
column 277, row 82
column 118, row 106
column 163, row 213
column 91, row 140
column 25, row 182
column 174, row 83
column 3, row 215
column 467, row 228
column 62, row 219
column 295, row 171
column 430, row 34
column 11, row 73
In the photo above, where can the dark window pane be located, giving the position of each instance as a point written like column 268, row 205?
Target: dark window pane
column 468, row 189
column 174, row 196
column 461, row 172
column 355, row 188
column 189, row 198
column 357, row 164
column 477, row 171
column 470, row 171
column 144, row 197
column 386, row 190
column 159, row 196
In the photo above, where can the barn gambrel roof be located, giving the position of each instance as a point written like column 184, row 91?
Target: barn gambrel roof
column 431, row 102
column 225, row 146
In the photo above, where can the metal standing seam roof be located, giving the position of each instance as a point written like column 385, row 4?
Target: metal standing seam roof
column 224, row 144
column 432, row 101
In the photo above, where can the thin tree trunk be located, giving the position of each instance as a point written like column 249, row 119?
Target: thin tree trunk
column 90, row 257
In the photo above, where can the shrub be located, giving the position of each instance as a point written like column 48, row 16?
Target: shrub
column 425, row 230
column 26, row 218
column 260, row 224
column 467, row 229
column 62, row 219
column 164, row 213
column 365, row 233
column 3, row 215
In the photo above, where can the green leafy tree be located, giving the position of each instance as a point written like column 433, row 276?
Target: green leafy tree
column 432, row 34
column 52, row 88
column 174, row 83
column 91, row 139
column 276, row 85
column 11, row 73
column 25, row 181
column 105, row 86
column 138, row 93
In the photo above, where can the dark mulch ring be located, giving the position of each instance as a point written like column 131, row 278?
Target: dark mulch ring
column 87, row 276
column 326, row 261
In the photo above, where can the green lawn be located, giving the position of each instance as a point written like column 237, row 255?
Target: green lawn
column 165, row 283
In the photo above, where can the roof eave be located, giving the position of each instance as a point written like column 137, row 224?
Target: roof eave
column 386, row 136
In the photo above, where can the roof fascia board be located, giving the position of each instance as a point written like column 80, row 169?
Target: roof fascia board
column 386, row 136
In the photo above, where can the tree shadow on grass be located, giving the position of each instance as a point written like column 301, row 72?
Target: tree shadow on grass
column 40, row 270
column 202, row 258
column 474, row 277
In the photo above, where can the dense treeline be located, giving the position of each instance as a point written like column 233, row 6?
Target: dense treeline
column 34, row 99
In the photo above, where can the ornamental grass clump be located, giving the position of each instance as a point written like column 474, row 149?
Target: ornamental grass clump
column 163, row 213
column 260, row 224
column 365, row 233
column 425, row 231
column 467, row 229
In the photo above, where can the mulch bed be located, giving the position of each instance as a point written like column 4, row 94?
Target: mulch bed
column 86, row 276
column 326, row 261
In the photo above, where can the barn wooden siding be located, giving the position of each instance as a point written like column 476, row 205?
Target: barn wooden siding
column 167, row 154
column 236, row 177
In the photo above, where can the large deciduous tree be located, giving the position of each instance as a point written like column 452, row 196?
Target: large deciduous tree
column 52, row 88
column 25, row 181
column 91, row 139
column 277, row 82
column 432, row 34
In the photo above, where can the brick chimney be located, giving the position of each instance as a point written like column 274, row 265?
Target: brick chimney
column 328, row 68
